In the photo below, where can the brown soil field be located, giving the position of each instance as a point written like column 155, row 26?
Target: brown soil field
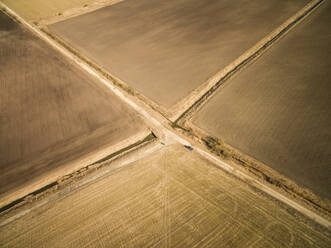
column 171, row 198
column 51, row 113
column 167, row 49
column 278, row 109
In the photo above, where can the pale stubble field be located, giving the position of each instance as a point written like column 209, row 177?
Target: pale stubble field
column 172, row 198
column 45, row 11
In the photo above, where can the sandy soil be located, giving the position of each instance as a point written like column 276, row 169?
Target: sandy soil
column 166, row 49
column 50, row 112
column 277, row 110
column 172, row 198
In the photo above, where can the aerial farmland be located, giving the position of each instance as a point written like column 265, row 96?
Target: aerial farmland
column 167, row 49
column 171, row 198
column 50, row 111
column 178, row 123
column 277, row 110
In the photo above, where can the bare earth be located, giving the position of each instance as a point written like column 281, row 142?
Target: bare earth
column 51, row 113
column 166, row 49
column 278, row 109
column 172, row 198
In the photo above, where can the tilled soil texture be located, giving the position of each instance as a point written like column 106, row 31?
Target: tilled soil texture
column 278, row 109
column 172, row 198
column 167, row 49
column 50, row 112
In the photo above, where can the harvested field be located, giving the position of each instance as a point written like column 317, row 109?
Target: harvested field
column 40, row 10
column 167, row 49
column 52, row 114
column 278, row 109
column 172, row 198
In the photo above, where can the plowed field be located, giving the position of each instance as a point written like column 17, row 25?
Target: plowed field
column 167, row 49
column 50, row 112
column 278, row 109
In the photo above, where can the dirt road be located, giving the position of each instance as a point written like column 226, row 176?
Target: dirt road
column 53, row 116
column 165, row 50
column 154, row 118
column 171, row 198
column 277, row 109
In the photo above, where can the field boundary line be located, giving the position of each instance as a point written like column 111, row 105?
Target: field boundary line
column 254, row 166
column 108, row 75
column 82, row 64
column 82, row 167
column 166, row 135
column 73, row 188
column 255, row 183
column 217, row 146
column 199, row 96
